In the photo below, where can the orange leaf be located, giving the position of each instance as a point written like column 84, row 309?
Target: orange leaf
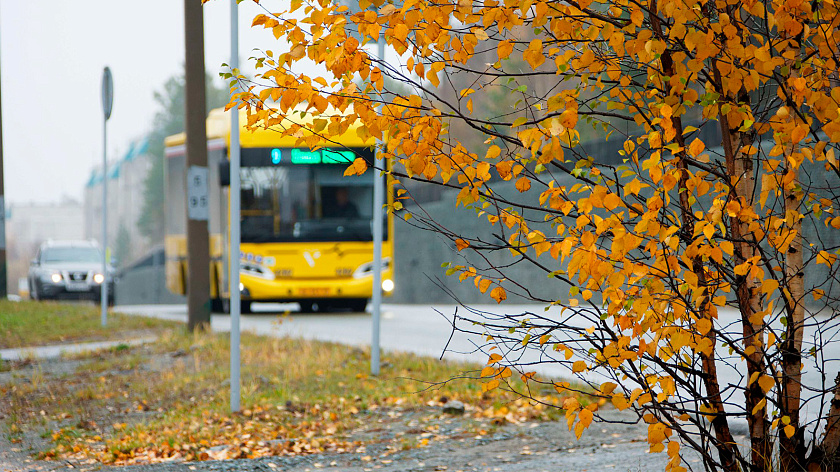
column 498, row 294
column 504, row 49
column 696, row 147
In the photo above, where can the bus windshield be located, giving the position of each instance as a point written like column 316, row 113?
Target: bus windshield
column 284, row 203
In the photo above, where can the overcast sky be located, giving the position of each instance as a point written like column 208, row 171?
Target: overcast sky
column 52, row 53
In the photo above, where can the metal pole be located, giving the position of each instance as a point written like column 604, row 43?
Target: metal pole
column 378, row 201
column 198, row 239
column 107, row 106
column 234, row 221
column 3, row 288
column 103, row 290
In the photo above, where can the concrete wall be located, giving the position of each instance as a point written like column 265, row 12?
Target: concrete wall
column 144, row 282
column 420, row 253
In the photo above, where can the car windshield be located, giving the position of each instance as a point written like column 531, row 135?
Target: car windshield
column 71, row 254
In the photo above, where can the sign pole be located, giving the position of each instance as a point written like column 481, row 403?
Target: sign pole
column 378, row 202
column 235, row 299
column 107, row 105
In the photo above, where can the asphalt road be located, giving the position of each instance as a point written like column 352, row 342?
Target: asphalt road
column 419, row 329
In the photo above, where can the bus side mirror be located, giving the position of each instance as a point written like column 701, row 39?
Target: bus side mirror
column 224, row 173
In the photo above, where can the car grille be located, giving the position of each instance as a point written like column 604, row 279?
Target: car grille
column 77, row 276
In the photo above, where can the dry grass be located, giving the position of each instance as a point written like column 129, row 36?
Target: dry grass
column 170, row 400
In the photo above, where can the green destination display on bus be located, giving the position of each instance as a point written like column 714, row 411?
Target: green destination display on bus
column 320, row 156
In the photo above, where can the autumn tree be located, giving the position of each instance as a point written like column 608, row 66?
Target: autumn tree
column 701, row 253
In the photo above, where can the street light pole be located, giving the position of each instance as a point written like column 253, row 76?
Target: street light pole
column 107, row 105
column 3, row 287
column 235, row 297
column 378, row 201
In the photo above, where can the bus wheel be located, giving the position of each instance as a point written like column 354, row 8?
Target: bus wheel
column 244, row 306
column 217, row 306
column 308, row 306
column 357, row 305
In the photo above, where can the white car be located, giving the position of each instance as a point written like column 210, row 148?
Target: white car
column 69, row 270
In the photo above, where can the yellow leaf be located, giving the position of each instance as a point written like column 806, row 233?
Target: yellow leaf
column 523, row 184
column 703, row 326
column 490, row 385
column 611, row 201
column 765, row 382
column 585, row 417
column 608, row 387
column 504, row 49
column 696, row 147
column 498, row 294
column 480, row 34
column 578, row 366
column 637, row 17
column 620, row 402
column 799, row 133
column 769, row 286
column 758, row 406
column 789, row 430
column 461, row 244
column 534, row 54
column 488, row 371
column 824, row 257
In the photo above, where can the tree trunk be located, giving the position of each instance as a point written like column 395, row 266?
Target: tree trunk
column 791, row 449
column 747, row 289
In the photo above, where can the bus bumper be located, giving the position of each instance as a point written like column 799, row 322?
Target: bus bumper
column 256, row 289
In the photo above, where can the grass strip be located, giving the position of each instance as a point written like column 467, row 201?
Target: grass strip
column 28, row 323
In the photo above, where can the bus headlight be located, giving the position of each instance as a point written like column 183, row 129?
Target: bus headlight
column 366, row 269
column 387, row 285
column 55, row 277
column 98, row 278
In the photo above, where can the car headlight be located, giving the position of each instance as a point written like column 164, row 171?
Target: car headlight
column 387, row 285
column 367, row 268
column 55, row 277
column 98, row 278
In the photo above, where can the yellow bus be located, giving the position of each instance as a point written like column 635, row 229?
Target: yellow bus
column 306, row 228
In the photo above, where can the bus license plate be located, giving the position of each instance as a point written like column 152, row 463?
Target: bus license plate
column 315, row 291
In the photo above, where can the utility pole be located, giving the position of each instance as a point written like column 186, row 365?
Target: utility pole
column 198, row 244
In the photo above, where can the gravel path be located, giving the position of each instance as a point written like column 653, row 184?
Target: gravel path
column 534, row 447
